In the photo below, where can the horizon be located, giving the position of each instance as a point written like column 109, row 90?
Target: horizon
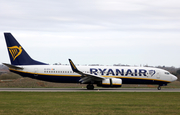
column 133, row 32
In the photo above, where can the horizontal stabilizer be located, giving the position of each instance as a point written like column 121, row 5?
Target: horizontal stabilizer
column 12, row 66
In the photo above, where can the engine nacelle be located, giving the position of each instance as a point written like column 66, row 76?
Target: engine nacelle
column 111, row 82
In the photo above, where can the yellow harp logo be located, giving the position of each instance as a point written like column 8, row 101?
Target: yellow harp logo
column 15, row 51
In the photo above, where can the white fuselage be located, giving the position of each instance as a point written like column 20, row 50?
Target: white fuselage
column 129, row 75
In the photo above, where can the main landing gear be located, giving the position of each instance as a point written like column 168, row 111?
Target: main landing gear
column 90, row 86
column 159, row 87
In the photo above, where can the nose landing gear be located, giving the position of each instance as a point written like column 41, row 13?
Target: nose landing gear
column 159, row 87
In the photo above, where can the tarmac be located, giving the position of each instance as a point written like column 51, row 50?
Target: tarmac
column 85, row 90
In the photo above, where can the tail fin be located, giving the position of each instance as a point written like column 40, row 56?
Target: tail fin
column 17, row 54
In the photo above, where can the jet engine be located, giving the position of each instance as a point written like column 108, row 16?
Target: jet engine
column 110, row 82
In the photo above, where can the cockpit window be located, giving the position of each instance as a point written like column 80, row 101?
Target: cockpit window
column 167, row 73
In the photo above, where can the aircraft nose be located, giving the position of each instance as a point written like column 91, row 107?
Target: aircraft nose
column 174, row 78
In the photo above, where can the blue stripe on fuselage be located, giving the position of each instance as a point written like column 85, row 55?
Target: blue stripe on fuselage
column 76, row 78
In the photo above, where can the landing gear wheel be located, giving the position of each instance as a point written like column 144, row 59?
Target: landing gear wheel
column 159, row 87
column 90, row 87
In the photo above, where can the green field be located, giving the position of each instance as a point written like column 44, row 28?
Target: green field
column 100, row 103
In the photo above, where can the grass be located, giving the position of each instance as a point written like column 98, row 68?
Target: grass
column 86, row 103
column 9, row 75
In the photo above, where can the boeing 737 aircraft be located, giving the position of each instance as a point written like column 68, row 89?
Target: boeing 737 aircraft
column 103, row 76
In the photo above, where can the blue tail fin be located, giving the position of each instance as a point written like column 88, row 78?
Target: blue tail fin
column 17, row 54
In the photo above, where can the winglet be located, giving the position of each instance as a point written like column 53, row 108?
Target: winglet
column 73, row 66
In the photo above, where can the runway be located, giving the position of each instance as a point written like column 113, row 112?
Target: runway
column 85, row 90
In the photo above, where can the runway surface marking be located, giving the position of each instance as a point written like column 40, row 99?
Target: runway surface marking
column 85, row 90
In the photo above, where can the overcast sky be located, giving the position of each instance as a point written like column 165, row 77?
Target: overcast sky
column 134, row 32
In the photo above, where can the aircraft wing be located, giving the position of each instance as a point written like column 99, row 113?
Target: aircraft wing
column 85, row 78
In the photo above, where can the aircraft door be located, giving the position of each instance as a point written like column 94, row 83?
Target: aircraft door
column 35, row 72
column 158, row 75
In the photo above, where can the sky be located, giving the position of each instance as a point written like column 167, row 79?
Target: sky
column 133, row 32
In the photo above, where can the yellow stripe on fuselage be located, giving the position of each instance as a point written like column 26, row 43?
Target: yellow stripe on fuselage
column 121, row 77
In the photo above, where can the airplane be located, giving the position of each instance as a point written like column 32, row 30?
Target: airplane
column 102, row 76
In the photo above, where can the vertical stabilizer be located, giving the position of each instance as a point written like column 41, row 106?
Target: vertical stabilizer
column 17, row 54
